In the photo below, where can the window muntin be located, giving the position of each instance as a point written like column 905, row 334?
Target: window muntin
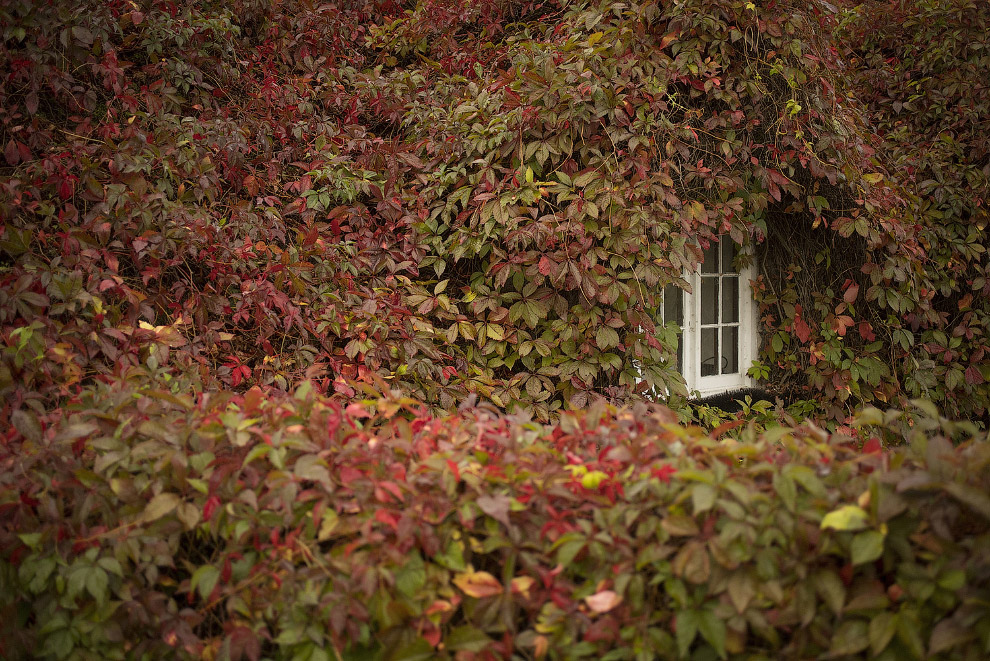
column 717, row 321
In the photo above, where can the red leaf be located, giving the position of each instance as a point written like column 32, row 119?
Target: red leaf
column 454, row 469
column 664, row 473
column 866, row 331
column 872, row 446
column 851, row 293
column 973, row 376
column 802, row 330
column 10, row 153
column 393, row 489
column 545, row 266
column 388, row 518
column 211, row 506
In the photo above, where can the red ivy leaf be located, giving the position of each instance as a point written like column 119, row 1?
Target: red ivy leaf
column 11, row 154
column 387, row 517
column 973, row 376
column 211, row 506
column 851, row 292
column 545, row 265
column 802, row 330
column 872, row 446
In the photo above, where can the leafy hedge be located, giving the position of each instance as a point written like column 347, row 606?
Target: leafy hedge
column 152, row 524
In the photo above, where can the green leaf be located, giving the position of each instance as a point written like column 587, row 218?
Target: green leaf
column 412, row 577
column 703, row 497
column 847, row 517
column 909, row 633
column 687, row 629
column 568, row 550
column 204, row 579
column 30, row 539
column 188, row 514
column 952, row 580
column 159, row 506
column 882, row 630
column 851, row 637
column 867, row 546
column 467, row 638
column 742, row 589
column 417, row 650
column 96, row 584
column 787, row 490
column 606, row 337
column 829, row 586
column 712, row 629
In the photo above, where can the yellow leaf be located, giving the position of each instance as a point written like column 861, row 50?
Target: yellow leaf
column 478, row 584
column 873, row 177
column 593, row 479
column 848, row 517
column 522, row 584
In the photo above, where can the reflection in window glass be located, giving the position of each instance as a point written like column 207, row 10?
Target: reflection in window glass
column 709, row 300
column 730, row 299
column 730, row 350
column 710, row 257
column 673, row 307
column 709, row 351
column 673, row 311
column 728, row 253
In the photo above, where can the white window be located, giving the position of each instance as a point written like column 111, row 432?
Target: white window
column 718, row 338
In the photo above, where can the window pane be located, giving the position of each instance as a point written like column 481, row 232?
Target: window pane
column 709, row 300
column 728, row 247
column 730, row 299
column 673, row 306
column 709, row 351
column 710, row 263
column 730, row 349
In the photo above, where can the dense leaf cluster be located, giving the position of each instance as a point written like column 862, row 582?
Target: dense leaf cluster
column 488, row 197
column 390, row 209
column 150, row 525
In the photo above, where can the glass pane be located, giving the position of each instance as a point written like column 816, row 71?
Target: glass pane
column 673, row 305
column 710, row 257
column 730, row 349
column 728, row 252
column 709, row 351
column 730, row 299
column 709, row 300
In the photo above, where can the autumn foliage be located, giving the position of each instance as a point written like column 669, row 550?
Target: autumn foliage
column 255, row 254
column 291, row 527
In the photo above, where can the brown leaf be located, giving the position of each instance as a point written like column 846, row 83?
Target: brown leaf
column 496, row 507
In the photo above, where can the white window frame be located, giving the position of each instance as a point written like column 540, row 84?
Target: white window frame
column 690, row 336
